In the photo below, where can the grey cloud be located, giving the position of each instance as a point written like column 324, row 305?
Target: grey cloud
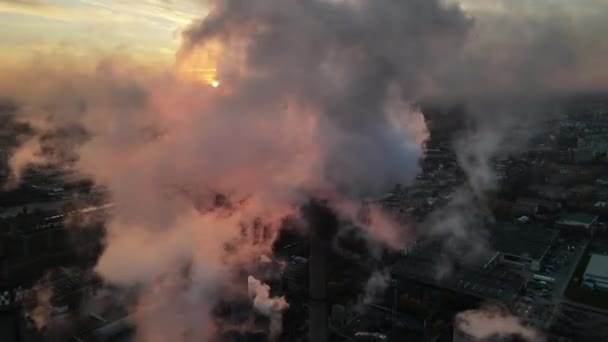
column 529, row 47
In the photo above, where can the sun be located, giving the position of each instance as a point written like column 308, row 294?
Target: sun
column 215, row 83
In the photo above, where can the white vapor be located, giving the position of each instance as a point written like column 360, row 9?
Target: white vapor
column 492, row 322
column 271, row 307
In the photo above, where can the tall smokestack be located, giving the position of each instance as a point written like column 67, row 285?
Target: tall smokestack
column 318, row 323
column 323, row 224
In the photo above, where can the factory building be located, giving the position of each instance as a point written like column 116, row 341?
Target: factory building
column 596, row 273
column 577, row 224
column 522, row 246
column 536, row 207
column 419, row 281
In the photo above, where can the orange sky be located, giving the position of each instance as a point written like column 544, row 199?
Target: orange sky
column 147, row 30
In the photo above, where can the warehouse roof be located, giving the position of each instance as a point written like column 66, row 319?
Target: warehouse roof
column 530, row 241
column 597, row 267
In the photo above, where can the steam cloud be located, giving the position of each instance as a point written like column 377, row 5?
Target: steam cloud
column 313, row 99
column 498, row 128
column 492, row 322
column 41, row 312
column 271, row 307
column 376, row 285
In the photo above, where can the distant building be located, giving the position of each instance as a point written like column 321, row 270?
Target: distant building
column 534, row 206
column 591, row 148
column 597, row 272
column 4, row 167
column 418, row 276
column 578, row 224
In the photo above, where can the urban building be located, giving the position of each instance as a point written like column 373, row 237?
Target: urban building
column 462, row 287
column 536, row 207
column 577, row 224
column 591, row 148
column 522, row 246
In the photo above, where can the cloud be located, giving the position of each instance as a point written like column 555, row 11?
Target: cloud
column 308, row 107
column 348, row 50
column 528, row 48
column 30, row 7
column 24, row 3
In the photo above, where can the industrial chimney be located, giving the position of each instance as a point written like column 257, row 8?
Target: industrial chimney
column 323, row 224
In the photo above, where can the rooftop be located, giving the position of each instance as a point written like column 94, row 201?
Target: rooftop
column 577, row 219
column 478, row 282
column 597, row 267
column 531, row 241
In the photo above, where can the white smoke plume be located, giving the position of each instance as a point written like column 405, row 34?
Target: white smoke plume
column 41, row 311
column 271, row 307
column 491, row 322
column 496, row 129
column 377, row 283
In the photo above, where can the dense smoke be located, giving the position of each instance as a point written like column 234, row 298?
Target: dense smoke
column 339, row 60
column 314, row 98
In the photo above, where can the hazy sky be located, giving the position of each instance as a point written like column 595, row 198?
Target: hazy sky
column 146, row 29
column 149, row 29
